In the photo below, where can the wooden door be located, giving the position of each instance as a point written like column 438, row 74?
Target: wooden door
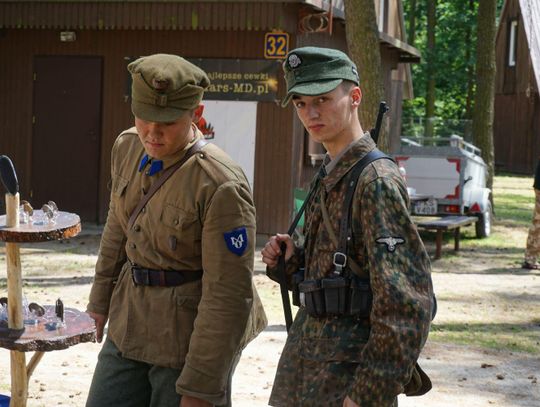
column 67, row 133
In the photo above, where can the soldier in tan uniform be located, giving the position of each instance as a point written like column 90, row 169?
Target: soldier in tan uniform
column 362, row 274
column 173, row 276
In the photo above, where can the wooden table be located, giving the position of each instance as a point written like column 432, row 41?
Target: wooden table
column 441, row 224
column 21, row 338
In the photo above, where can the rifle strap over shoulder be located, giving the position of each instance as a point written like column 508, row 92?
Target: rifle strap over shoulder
column 161, row 180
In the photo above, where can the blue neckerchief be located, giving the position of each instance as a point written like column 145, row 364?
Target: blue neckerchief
column 155, row 166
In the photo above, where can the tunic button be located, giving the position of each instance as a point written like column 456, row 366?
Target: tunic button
column 137, row 228
column 143, row 210
column 132, row 246
column 176, row 221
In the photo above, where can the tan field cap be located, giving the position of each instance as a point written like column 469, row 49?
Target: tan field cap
column 165, row 86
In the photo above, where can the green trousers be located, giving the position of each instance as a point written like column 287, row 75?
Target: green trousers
column 121, row 382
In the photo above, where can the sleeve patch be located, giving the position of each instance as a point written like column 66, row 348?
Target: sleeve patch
column 390, row 242
column 236, row 240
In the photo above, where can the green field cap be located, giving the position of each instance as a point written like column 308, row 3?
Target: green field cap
column 313, row 71
column 165, row 86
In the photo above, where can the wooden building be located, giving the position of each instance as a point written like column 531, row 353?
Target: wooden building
column 517, row 102
column 64, row 87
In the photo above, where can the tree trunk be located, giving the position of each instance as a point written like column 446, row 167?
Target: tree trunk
column 412, row 22
column 485, row 83
column 430, row 68
column 363, row 42
column 467, row 133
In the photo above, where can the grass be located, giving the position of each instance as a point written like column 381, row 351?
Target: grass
column 514, row 199
column 501, row 318
column 510, row 337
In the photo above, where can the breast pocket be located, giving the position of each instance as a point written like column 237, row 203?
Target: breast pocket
column 184, row 230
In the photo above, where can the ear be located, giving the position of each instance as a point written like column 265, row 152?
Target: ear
column 197, row 113
column 356, row 96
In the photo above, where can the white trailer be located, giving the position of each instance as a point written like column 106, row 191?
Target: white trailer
column 451, row 176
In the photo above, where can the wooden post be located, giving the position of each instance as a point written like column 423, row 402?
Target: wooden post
column 14, row 277
column 457, row 235
column 36, row 358
column 438, row 243
column 19, row 378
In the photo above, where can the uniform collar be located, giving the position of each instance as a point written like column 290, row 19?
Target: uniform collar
column 330, row 163
column 154, row 166
column 354, row 153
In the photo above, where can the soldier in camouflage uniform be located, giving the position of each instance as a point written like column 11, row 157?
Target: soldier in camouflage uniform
column 533, row 239
column 348, row 360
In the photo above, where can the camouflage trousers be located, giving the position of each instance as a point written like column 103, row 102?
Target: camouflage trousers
column 318, row 371
column 532, row 251
column 326, row 386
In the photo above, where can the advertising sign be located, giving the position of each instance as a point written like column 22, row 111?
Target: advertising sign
column 240, row 79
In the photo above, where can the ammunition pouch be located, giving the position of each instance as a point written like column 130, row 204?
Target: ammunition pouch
column 334, row 296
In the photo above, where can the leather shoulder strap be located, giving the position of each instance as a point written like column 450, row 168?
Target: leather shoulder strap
column 161, row 180
column 345, row 224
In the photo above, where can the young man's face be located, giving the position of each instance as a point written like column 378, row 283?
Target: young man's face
column 163, row 139
column 327, row 117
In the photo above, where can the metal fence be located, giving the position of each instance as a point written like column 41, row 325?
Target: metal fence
column 420, row 127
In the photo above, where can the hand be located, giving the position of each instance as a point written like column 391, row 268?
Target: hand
column 272, row 250
column 349, row 403
column 188, row 401
column 100, row 321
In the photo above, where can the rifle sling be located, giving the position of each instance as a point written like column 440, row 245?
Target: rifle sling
column 161, row 180
column 282, row 273
column 292, row 227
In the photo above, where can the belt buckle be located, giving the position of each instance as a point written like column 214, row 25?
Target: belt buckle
column 142, row 274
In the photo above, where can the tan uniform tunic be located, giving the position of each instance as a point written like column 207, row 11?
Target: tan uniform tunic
column 200, row 326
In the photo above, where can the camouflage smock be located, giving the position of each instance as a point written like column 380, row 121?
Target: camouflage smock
column 326, row 359
column 198, row 327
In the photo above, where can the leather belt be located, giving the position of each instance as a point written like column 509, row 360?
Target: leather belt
column 163, row 278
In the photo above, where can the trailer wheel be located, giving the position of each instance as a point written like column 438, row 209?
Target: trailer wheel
column 483, row 226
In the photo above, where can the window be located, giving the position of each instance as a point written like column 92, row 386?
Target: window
column 512, row 43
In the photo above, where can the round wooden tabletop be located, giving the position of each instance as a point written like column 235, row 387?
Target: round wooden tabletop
column 40, row 229
column 78, row 328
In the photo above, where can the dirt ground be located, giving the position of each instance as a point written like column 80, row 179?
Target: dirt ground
column 471, row 286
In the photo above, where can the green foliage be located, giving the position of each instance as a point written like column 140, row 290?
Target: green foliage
column 454, row 59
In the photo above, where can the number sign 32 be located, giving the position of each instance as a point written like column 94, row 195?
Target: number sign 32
column 276, row 45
